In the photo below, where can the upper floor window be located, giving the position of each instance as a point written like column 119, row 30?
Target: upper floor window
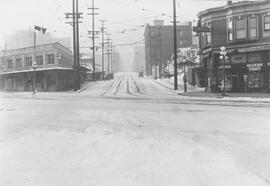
column 39, row 60
column 28, row 61
column 10, row 63
column 253, row 33
column 267, row 23
column 18, row 62
column 208, row 37
column 50, row 59
column 230, row 30
column 240, row 28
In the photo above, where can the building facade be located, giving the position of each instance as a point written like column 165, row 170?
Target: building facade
column 159, row 41
column 54, row 68
column 139, row 58
column 243, row 28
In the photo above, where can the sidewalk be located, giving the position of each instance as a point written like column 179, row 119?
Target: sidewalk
column 200, row 93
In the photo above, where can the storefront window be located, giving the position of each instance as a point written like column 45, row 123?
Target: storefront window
column 255, row 79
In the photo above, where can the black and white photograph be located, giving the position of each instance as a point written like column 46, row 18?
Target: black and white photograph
column 135, row 93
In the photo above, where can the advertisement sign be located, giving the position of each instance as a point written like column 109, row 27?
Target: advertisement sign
column 238, row 59
column 254, row 66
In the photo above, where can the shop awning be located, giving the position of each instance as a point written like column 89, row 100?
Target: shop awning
column 31, row 70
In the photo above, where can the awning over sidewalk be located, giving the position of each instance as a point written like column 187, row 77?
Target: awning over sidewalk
column 31, row 70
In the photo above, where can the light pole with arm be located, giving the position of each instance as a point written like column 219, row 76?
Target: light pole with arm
column 223, row 56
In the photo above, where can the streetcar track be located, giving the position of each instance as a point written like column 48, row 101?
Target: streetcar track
column 117, row 88
column 136, row 85
column 107, row 90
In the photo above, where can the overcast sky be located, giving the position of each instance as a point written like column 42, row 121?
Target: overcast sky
column 120, row 15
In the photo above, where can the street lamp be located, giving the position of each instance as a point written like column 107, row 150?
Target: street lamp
column 224, row 57
column 34, row 66
column 185, row 76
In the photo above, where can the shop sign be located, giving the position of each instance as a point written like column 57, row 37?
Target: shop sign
column 237, row 59
column 254, row 57
column 254, row 66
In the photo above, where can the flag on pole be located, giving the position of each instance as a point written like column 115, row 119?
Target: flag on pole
column 38, row 28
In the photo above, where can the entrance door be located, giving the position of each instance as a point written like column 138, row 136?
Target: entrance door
column 235, row 83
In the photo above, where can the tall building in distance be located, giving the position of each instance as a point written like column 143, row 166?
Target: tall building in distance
column 159, row 40
column 139, row 59
column 25, row 38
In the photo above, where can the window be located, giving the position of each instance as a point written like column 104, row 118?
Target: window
column 255, row 79
column 253, row 28
column 240, row 29
column 28, row 61
column 266, row 23
column 18, row 62
column 50, row 59
column 208, row 37
column 230, row 30
column 39, row 60
column 10, row 63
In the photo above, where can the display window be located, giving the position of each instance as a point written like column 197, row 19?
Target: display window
column 255, row 79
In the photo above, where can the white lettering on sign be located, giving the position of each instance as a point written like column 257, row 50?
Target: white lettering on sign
column 254, row 66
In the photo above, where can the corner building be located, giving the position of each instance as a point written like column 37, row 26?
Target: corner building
column 54, row 72
column 244, row 29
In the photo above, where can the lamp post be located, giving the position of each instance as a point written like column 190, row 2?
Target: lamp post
column 185, row 76
column 34, row 64
column 223, row 56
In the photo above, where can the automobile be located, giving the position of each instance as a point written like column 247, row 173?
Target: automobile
column 108, row 76
column 140, row 74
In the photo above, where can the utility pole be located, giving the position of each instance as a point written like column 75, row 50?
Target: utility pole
column 93, row 36
column 108, row 51
column 75, row 15
column 160, row 55
column 175, row 47
column 112, row 65
column 78, row 46
column 102, row 31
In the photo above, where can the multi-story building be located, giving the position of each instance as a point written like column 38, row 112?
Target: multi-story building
column 159, row 39
column 243, row 28
column 139, row 58
column 54, row 68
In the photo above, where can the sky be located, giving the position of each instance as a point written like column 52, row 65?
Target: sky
column 119, row 15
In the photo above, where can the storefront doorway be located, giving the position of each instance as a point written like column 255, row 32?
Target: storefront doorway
column 235, row 82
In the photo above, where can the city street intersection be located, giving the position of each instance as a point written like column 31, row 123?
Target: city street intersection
column 132, row 131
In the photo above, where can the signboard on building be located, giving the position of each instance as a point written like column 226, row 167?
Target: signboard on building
column 254, row 66
column 238, row 59
column 254, row 57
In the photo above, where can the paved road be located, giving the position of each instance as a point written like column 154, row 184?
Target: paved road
column 132, row 131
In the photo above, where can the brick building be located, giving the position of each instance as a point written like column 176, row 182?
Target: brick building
column 159, row 44
column 54, row 72
column 244, row 29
